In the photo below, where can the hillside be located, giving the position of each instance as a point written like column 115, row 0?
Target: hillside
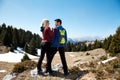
column 82, row 66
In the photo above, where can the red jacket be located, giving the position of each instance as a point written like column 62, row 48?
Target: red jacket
column 47, row 34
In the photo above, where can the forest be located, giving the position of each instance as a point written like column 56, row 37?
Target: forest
column 30, row 42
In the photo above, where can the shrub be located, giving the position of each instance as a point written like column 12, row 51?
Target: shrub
column 74, row 69
column 103, row 58
column 112, row 54
column 25, row 57
column 87, row 54
column 22, row 66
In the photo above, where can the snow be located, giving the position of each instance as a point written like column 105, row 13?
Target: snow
column 39, row 51
column 105, row 61
column 34, row 72
column 78, row 63
column 57, row 67
column 9, row 77
column 2, row 71
column 15, row 56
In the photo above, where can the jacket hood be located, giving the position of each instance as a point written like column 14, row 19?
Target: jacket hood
column 41, row 28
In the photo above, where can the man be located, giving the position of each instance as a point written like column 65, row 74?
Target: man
column 58, row 43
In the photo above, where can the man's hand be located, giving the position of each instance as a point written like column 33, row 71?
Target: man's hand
column 54, row 27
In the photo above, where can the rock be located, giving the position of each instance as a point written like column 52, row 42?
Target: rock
column 57, row 67
column 3, row 49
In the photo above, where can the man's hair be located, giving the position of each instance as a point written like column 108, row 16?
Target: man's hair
column 58, row 20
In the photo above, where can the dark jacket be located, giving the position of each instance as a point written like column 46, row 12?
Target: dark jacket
column 55, row 40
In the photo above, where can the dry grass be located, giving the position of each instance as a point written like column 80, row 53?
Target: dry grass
column 3, row 49
column 110, row 70
column 6, row 66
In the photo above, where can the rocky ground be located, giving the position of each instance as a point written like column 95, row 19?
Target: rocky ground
column 81, row 67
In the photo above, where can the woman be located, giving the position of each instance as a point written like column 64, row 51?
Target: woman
column 45, row 46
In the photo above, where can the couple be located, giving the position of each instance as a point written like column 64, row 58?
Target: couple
column 53, row 40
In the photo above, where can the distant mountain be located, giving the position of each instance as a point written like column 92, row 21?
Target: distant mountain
column 83, row 39
column 71, row 40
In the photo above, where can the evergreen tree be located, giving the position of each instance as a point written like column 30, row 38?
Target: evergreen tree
column 89, row 47
column 26, row 47
column 28, row 36
column 97, row 44
column 83, row 47
column 15, row 38
column 115, row 44
column 68, row 47
column 32, row 48
column 25, row 57
column 21, row 34
column 107, row 42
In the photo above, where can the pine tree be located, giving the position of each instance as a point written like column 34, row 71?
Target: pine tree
column 21, row 34
column 107, row 42
column 15, row 38
column 26, row 47
column 32, row 47
column 97, row 44
column 25, row 57
column 83, row 47
column 89, row 47
column 115, row 44
column 68, row 47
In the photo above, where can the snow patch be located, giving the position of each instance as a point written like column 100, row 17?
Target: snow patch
column 105, row 61
column 2, row 71
column 9, row 77
column 39, row 51
column 34, row 72
column 57, row 67
column 15, row 56
column 78, row 63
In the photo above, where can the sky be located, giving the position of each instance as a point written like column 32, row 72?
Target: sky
column 81, row 18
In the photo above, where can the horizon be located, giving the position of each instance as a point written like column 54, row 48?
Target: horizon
column 81, row 18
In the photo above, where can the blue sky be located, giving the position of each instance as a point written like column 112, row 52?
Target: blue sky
column 81, row 18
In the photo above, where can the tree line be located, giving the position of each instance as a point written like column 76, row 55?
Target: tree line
column 13, row 37
column 83, row 46
column 110, row 44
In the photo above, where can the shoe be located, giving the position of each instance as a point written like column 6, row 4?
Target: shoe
column 66, row 74
column 40, row 73
column 52, row 73
column 46, row 71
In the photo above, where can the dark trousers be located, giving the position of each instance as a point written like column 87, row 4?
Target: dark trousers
column 62, row 56
column 45, row 48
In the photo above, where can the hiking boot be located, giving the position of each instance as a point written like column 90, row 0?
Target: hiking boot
column 66, row 74
column 40, row 73
column 52, row 73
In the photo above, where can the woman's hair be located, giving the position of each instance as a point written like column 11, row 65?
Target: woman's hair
column 44, row 22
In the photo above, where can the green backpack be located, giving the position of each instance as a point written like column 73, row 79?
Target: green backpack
column 62, row 36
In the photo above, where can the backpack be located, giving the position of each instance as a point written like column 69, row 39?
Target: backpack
column 62, row 33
